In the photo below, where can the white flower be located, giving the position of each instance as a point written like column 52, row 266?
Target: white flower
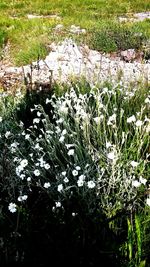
column 91, row 184
column 14, row 145
column 111, row 155
column 80, row 183
column 97, row 119
column 135, row 183
column 24, row 163
column 113, row 117
column 82, row 177
column 108, row 144
column 78, row 168
column 134, row 163
column 60, row 120
column 143, row 180
column 22, row 198
column 7, row 134
column 19, row 169
column 64, row 132
column 138, row 123
column 75, row 172
column 148, row 201
column 47, row 185
column 39, row 113
column 1, row 119
column 66, row 180
column 46, row 166
column 69, row 145
column 36, row 172
column 22, row 176
column 71, row 152
column 48, row 100
column 63, row 109
column 42, row 162
column 60, row 188
column 63, row 173
column 147, row 100
column 61, row 139
column 27, row 136
column 131, row 119
column 36, row 120
column 29, row 179
column 12, row 207
column 58, row 204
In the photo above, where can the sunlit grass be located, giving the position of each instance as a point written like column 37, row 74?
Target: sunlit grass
column 88, row 14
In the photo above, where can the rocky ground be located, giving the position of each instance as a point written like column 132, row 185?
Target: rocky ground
column 67, row 60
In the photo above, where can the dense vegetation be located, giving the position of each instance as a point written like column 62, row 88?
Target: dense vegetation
column 74, row 170
column 29, row 38
column 74, row 160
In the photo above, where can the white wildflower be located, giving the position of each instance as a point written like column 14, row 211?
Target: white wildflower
column 91, row 184
column 60, row 120
column 27, row 136
column 61, row 139
column 111, row 119
column 131, row 119
column 69, row 145
column 64, row 132
column 7, row 134
column 46, row 166
column 39, row 113
column 134, row 163
column 80, row 183
column 108, row 144
column 22, row 176
column 58, row 204
column 48, row 101
column 60, row 188
column 71, row 152
column 29, row 179
column 75, row 172
column 97, row 119
column 143, row 180
column 148, row 201
column 19, row 169
column 147, row 100
column 12, row 207
column 36, row 172
column 111, row 155
column 47, row 185
column 64, row 173
column 22, row 198
column 138, row 123
column 136, row 183
column 24, row 163
column 36, row 120
column 1, row 119
column 66, row 180
column 78, row 168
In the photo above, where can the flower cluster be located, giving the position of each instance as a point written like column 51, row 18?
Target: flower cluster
column 88, row 148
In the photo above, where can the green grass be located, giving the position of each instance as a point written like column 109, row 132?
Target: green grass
column 89, row 14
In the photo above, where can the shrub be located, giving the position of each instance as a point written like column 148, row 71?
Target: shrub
column 78, row 170
column 116, row 37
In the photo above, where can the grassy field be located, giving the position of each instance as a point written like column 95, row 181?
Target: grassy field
column 28, row 38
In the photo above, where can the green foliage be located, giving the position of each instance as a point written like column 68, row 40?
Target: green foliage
column 116, row 37
column 3, row 37
column 33, row 52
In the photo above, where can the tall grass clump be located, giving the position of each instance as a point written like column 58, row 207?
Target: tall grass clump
column 79, row 173
column 116, row 37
